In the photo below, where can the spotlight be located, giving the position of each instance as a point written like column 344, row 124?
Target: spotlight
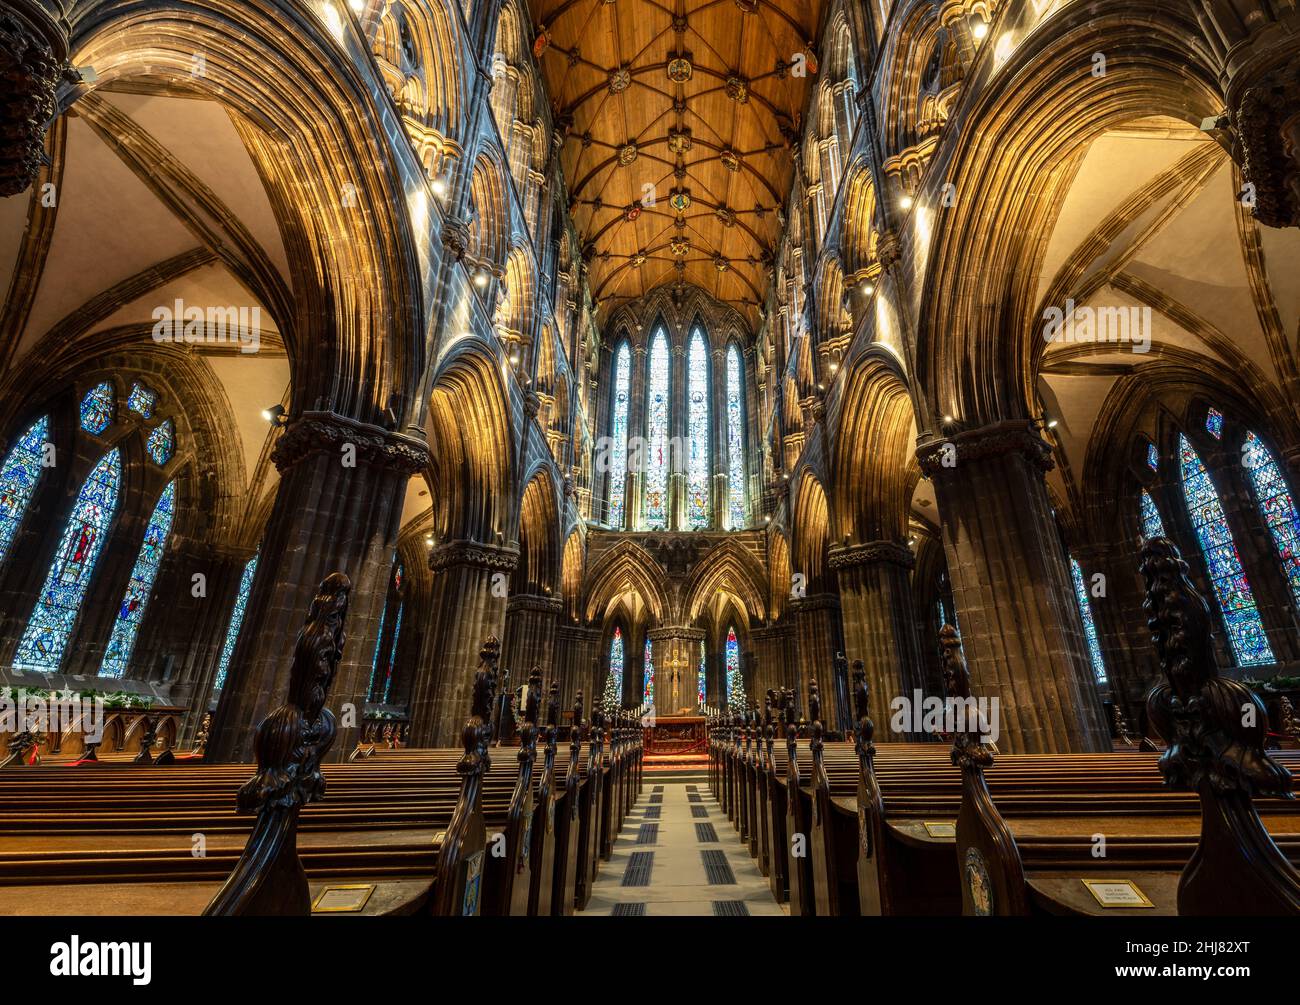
column 357, row 5
column 514, row 359
column 980, row 30
column 1051, row 423
column 440, row 187
column 905, row 203
column 481, row 278
column 868, row 289
column 274, row 415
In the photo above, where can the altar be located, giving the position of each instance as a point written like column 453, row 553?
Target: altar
column 676, row 734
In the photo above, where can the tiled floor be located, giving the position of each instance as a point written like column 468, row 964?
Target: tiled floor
column 670, row 874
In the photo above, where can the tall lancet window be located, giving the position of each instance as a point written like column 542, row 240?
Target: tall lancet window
column 46, row 639
column 648, row 695
column 1089, row 626
column 236, row 619
column 143, row 574
column 381, row 665
column 701, row 677
column 735, row 679
column 18, row 477
column 1236, row 601
column 1152, row 525
column 618, row 434
column 656, row 474
column 613, row 696
column 736, row 437
column 1276, row 506
column 697, row 470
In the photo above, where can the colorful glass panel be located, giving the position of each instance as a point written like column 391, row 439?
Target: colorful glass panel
column 143, row 575
column 701, row 677
column 97, row 407
column 1214, row 423
column 648, row 694
column 1276, row 507
column 161, row 443
column 735, row 438
column 1089, row 626
column 1236, row 601
column 392, row 652
column 1153, row 457
column 46, row 638
column 697, row 470
column 656, row 476
column 1152, row 525
column 236, row 619
column 618, row 433
column 18, row 477
column 141, row 400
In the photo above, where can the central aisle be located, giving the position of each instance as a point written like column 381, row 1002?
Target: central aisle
column 679, row 855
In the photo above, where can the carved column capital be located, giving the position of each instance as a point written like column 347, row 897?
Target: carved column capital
column 1267, row 121
column 483, row 556
column 538, row 602
column 324, row 432
column 945, row 455
column 455, row 236
column 33, row 61
column 847, row 556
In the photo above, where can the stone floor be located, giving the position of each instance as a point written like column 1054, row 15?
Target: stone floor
column 679, row 855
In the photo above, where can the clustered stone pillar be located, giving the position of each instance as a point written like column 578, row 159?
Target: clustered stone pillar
column 471, row 582
column 880, row 623
column 774, row 657
column 1020, row 625
column 530, row 634
column 577, row 665
column 817, row 626
column 338, row 508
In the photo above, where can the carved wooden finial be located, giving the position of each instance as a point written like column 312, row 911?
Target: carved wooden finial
column 814, row 701
column 290, row 744
column 862, row 705
column 967, row 748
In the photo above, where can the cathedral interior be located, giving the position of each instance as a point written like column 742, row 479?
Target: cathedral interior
column 703, row 384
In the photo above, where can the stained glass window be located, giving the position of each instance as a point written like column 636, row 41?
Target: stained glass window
column 379, row 648
column 701, row 678
column 392, row 652
column 46, row 638
column 735, row 680
column 1276, row 506
column 648, row 695
column 1236, row 602
column 735, row 437
column 236, row 619
column 97, row 407
column 141, row 400
column 656, row 476
column 618, row 433
column 1214, row 423
column 1089, row 626
column 162, row 441
column 1152, row 525
column 129, row 615
column 18, row 477
column 1153, row 457
column 697, row 470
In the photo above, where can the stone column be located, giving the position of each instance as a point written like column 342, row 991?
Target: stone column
column 530, row 635
column 774, row 666
column 576, row 663
column 34, row 55
column 1021, row 629
column 338, row 508
column 880, row 622
column 817, row 629
column 470, row 585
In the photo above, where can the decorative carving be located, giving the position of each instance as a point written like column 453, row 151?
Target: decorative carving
column 848, row 556
column 205, row 729
column 291, row 741
column 944, row 455
column 33, row 61
column 1215, row 728
column 325, row 432
column 483, row 556
column 1268, row 130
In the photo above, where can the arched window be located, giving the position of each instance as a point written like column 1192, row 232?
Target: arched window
column 18, row 477
column 1236, row 601
column 378, row 663
column 162, row 442
column 697, row 471
column 648, row 695
column 97, row 407
column 613, row 696
column 1089, row 626
column 236, row 619
column 1152, row 525
column 1276, row 506
column 392, row 652
column 656, row 476
column 143, row 574
column 701, row 678
column 141, row 400
column 46, row 639
column 618, row 433
column 735, row 679
column 736, row 437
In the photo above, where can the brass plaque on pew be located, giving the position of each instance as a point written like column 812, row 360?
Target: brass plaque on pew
column 348, row 898
column 1117, row 893
column 941, row 830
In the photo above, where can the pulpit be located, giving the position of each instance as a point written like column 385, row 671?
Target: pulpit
column 671, row 735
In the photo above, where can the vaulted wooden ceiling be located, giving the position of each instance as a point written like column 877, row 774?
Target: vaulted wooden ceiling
column 679, row 119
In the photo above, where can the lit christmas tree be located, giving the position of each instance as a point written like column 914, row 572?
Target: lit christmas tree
column 735, row 679
column 612, row 699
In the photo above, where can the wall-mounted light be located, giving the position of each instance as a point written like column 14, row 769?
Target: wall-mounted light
column 980, row 30
column 440, row 187
column 481, row 278
column 868, row 288
column 275, row 415
column 905, row 203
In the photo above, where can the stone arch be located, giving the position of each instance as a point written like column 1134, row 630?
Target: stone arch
column 538, row 571
column 811, row 537
column 626, row 563
column 727, row 568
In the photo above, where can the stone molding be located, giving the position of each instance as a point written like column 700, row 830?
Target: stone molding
column 324, row 432
column 1018, row 436
column 472, row 553
column 846, row 556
